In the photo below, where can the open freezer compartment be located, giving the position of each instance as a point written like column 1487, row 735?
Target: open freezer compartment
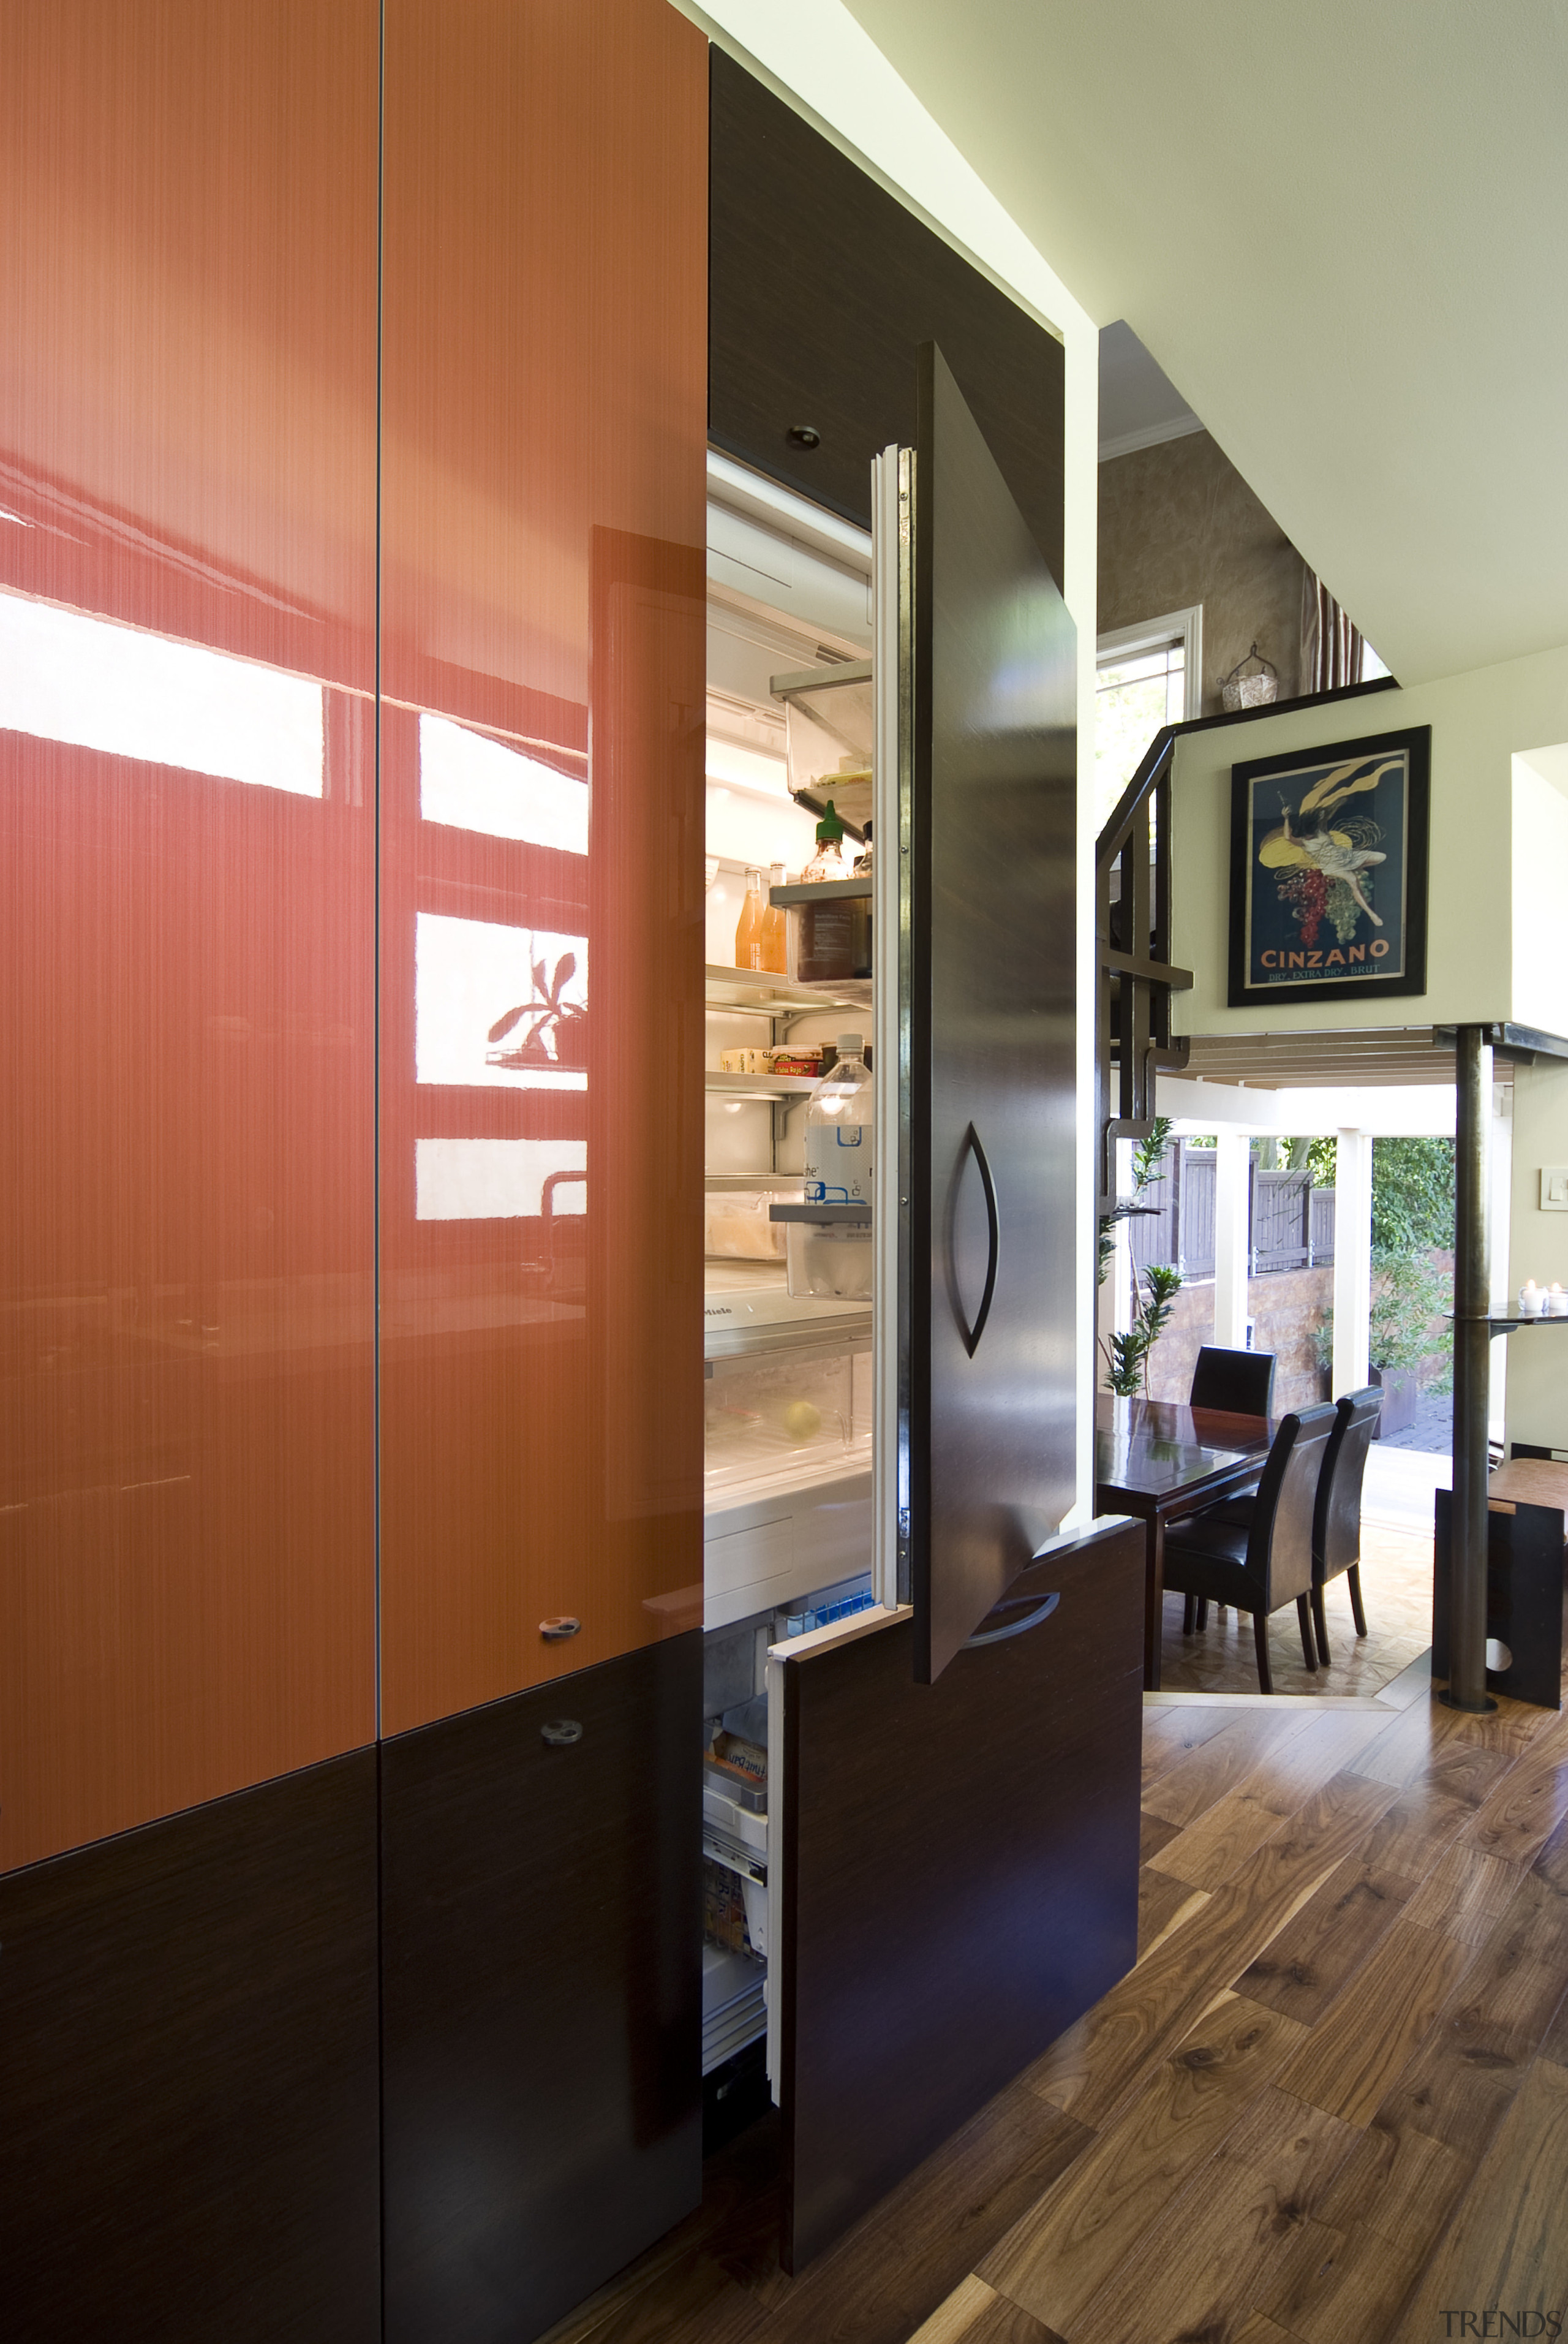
column 737, row 1791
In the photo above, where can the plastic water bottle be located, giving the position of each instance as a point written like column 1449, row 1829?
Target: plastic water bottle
column 839, row 1139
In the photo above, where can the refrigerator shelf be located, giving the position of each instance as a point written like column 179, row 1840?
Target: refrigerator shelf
column 758, row 993
column 762, row 1087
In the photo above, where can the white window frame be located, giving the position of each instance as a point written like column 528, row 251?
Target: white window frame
column 1153, row 635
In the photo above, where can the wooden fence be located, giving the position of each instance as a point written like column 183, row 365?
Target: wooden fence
column 1290, row 1222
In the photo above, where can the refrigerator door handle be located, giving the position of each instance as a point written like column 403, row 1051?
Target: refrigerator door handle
column 1016, row 1627
column 971, row 1335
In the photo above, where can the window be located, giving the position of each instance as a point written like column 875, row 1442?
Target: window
column 1147, row 676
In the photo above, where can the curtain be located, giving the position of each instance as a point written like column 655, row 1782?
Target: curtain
column 1331, row 648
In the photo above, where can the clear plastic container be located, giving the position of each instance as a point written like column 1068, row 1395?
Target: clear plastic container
column 838, row 1130
column 766, row 1414
column 832, row 1263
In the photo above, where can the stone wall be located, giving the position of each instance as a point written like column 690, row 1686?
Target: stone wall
column 1287, row 1309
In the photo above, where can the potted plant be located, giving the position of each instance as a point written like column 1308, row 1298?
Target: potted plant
column 1408, row 1294
column 1127, row 1355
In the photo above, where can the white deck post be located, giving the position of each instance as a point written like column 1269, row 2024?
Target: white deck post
column 1352, row 1259
column 1233, row 1161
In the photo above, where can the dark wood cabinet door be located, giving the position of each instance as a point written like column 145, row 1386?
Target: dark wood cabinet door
column 541, row 1995
column 822, row 287
column 988, row 1241
column 189, row 2102
column 952, row 1904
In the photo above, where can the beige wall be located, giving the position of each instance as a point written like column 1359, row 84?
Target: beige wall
column 1479, row 722
column 1179, row 525
column 1537, row 1406
column 1287, row 1309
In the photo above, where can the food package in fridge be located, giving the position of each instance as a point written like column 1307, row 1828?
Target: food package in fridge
column 736, row 1226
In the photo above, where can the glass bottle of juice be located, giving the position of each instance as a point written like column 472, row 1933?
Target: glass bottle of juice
column 776, row 931
column 749, row 930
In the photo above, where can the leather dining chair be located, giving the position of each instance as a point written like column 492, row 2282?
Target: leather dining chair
column 1240, row 1382
column 1265, row 1562
column 1337, row 1515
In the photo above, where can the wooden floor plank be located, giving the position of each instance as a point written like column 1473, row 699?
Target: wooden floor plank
column 1372, row 2030
column 1160, row 1900
column 975, row 2314
column 1430, row 1744
column 1197, row 1777
column 1377, row 2227
column 1261, row 2330
column 1405, row 1751
column 1466, row 1895
column 1399, row 2183
column 1170, row 1734
column 1153, row 1834
column 1347, row 2283
column 1232, row 2239
column 1315, row 1954
column 1099, row 2062
column 1524, row 1810
column 1552, row 1863
column 1508, row 2245
column 1069, row 2246
column 1416, row 1831
column 1512, row 1727
column 1208, row 1850
column 1460, row 2082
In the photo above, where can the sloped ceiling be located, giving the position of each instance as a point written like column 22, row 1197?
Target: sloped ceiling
column 1343, row 231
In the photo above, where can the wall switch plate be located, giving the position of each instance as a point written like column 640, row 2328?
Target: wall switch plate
column 1555, row 1188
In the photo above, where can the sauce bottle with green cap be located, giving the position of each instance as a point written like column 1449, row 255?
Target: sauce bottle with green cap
column 827, row 946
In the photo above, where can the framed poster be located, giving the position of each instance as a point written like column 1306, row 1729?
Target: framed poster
column 1328, row 870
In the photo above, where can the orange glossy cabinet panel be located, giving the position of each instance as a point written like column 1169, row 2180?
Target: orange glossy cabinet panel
column 544, row 394
column 186, row 902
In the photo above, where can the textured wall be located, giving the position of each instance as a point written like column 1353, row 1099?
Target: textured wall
column 1287, row 1309
column 1179, row 525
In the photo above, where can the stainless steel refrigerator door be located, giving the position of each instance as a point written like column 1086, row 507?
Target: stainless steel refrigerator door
column 987, row 1007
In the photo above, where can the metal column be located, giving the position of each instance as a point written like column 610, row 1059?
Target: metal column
column 1471, row 1362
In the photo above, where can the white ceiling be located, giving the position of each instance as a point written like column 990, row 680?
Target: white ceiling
column 1341, row 229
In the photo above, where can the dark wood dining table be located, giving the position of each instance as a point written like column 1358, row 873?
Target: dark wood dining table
column 1160, row 1460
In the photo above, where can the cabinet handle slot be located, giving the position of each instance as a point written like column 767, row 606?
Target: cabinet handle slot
column 1014, row 1627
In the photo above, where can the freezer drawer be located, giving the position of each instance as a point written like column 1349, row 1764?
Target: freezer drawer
column 956, row 1868
column 767, row 1549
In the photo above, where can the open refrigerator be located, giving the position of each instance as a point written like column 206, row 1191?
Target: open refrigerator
column 892, row 1393
column 789, row 1372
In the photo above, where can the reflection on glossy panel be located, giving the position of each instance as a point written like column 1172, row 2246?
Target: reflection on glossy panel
column 186, row 661
column 545, row 410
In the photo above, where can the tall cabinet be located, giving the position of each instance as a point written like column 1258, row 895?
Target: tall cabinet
column 187, row 883
column 543, row 378
column 351, row 687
